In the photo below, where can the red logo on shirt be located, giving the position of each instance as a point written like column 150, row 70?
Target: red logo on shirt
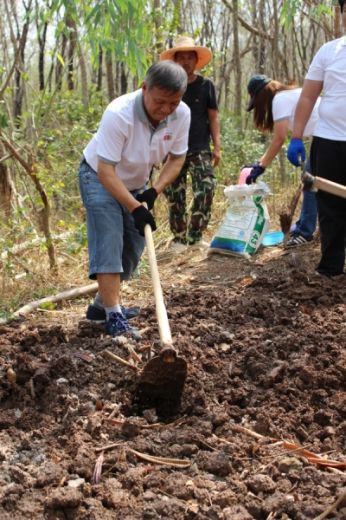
column 167, row 137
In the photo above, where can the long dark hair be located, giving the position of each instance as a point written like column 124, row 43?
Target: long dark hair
column 263, row 113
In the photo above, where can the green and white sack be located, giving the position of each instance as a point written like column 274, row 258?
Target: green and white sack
column 246, row 221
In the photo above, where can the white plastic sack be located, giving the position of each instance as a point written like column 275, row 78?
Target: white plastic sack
column 246, row 221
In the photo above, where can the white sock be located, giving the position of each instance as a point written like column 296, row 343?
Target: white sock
column 115, row 308
column 98, row 301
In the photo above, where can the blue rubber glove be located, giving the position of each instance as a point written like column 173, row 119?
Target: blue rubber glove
column 296, row 152
column 256, row 171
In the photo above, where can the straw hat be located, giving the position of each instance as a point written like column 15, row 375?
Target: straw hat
column 186, row 44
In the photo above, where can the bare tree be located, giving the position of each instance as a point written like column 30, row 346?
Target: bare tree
column 30, row 168
column 6, row 188
column 60, row 60
column 18, row 36
column 41, row 30
column 110, row 75
column 72, row 42
column 237, row 67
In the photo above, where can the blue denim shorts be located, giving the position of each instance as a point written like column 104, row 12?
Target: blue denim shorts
column 114, row 244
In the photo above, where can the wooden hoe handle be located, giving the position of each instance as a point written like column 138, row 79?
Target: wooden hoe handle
column 161, row 313
column 330, row 187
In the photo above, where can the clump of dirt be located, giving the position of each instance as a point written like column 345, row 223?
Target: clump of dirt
column 264, row 342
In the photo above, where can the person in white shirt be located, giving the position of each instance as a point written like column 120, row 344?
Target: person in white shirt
column 327, row 73
column 274, row 105
column 137, row 130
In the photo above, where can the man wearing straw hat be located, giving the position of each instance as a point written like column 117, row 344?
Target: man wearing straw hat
column 200, row 96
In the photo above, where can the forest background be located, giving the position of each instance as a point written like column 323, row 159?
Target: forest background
column 62, row 61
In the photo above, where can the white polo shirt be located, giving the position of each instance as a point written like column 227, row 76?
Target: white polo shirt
column 329, row 66
column 284, row 107
column 126, row 139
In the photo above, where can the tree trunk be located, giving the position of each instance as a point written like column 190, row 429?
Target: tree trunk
column 123, row 79
column 157, row 16
column 275, row 41
column 59, row 65
column 237, row 66
column 44, row 214
column 19, row 85
column 6, row 190
column 99, row 69
column 41, row 30
column 224, row 76
column 42, row 46
column 255, row 49
column 110, row 76
column 177, row 25
column 72, row 40
column 83, row 76
column 337, row 23
column 262, row 65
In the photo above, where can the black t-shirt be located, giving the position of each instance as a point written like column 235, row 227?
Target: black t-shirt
column 199, row 96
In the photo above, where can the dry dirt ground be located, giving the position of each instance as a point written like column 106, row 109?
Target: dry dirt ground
column 265, row 345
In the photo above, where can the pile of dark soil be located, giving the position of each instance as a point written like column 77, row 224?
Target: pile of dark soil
column 265, row 345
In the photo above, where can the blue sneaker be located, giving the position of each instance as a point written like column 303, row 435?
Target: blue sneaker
column 117, row 324
column 99, row 314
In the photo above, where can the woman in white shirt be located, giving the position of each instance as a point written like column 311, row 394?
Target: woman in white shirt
column 327, row 72
column 274, row 105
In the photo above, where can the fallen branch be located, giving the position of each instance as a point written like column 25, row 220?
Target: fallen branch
column 177, row 463
column 299, row 450
column 133, row 354
column 20, row 248
column 246, row 25
column 118, row 359
column 108, row 447
column 69, row 294
column 313, row 457
column 98, row 469
column 165, row 461
column 247, row 431
column 332, row 507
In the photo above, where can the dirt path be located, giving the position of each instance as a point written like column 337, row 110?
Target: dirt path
column 265, row 344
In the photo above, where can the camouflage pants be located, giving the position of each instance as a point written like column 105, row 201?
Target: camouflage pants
column 187, row 229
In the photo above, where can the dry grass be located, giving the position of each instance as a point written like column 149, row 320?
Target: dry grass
column 26, row 276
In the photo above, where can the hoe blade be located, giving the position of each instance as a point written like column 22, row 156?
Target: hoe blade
column 162, row 382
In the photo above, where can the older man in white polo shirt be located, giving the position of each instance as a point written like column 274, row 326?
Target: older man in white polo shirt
column 137, row 130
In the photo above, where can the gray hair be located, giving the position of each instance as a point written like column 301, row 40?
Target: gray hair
column 167, row 75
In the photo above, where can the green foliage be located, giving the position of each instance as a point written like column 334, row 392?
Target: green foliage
column 319, row 10
column 63, row 126
column 238, row 148
column 65, row 129
column 288, row 11
column 241, row 148
column 291, row 7
column 3, row 115
column 118, row 26
column 48, row 306
column 3, row 120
